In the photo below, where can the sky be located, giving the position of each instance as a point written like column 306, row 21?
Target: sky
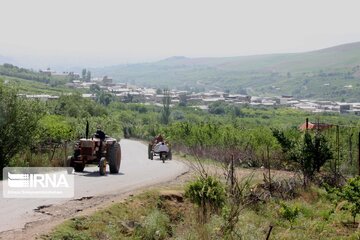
column 43, row 33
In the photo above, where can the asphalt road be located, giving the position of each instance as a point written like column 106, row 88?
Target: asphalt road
column 136, row 171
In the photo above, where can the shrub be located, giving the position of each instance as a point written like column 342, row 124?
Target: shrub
column 351, row 193
column 208, row 193
column 156, row 226
column 18, row 123
column 289, row 213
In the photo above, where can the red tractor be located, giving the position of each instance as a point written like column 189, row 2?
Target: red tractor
column 101, row 151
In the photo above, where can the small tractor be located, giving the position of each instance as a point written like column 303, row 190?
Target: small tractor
column 155, row 149
column 98, row 151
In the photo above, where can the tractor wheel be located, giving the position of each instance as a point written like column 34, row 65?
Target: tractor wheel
column 78, row 167
column 114, row 157
column 169, row 155
column 102, row 166
column 151, row 156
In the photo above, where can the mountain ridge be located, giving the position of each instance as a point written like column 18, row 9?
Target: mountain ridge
column 303, row 75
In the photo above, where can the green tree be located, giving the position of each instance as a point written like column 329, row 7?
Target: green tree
column 351, row 193
column 183, row 100
column 165, row 114
column 18, row 123
column 105, row 98
column 94, row 88
column 88, row 76
column 83, row 74
column 310, row 153
column 217, row 108
column 55, row 129
column 159, row 91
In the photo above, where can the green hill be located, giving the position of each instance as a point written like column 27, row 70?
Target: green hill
column 321, row 74
column 30, row 82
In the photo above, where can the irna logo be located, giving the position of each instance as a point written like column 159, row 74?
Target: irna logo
column 37, row 180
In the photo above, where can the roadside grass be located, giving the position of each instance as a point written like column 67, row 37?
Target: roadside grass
column 165, row 214
column 44, row 158
column 216, row 168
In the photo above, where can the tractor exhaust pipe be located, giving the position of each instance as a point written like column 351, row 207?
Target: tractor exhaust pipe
column 87, row 130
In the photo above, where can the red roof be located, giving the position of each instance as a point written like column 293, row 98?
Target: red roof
column 314, row 126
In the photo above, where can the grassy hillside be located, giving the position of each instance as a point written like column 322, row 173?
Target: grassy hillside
column 25, row 86
column 319, row 74
column 30, row 82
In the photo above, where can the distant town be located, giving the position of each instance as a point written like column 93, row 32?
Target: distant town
column 129, row 93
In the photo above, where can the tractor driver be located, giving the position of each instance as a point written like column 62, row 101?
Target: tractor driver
column 159, row 139
column 163, row 149
column 100, row 134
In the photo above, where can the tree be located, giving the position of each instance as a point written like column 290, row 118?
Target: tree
column 53, row 131
column 351, row 193
column 83, row 74
column 18, row 123
column 217, row 108
column 183, row 100
column 105, row 98
column 88, row 76
column 94, row 88
column 165, row 114
column 314, row 152
column 159, row 91
column 310, row 153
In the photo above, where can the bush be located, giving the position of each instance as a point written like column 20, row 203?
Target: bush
column 19, row 119
column 208, row 193
column 289, row 213
column 156, row 226
column 351, row 193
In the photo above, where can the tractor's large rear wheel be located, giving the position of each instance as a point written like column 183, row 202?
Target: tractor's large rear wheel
column 114, row 157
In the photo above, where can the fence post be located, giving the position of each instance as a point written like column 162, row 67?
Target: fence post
column 232, row 174
column 269, row 232
column 268, row 159
column 65, row 151
column 337, row 162
column 359, row 152
column 350, row 150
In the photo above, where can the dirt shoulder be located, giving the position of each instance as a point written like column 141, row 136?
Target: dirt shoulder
column 53, row 215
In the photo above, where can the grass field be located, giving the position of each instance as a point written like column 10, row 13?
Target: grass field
column 164, row 213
